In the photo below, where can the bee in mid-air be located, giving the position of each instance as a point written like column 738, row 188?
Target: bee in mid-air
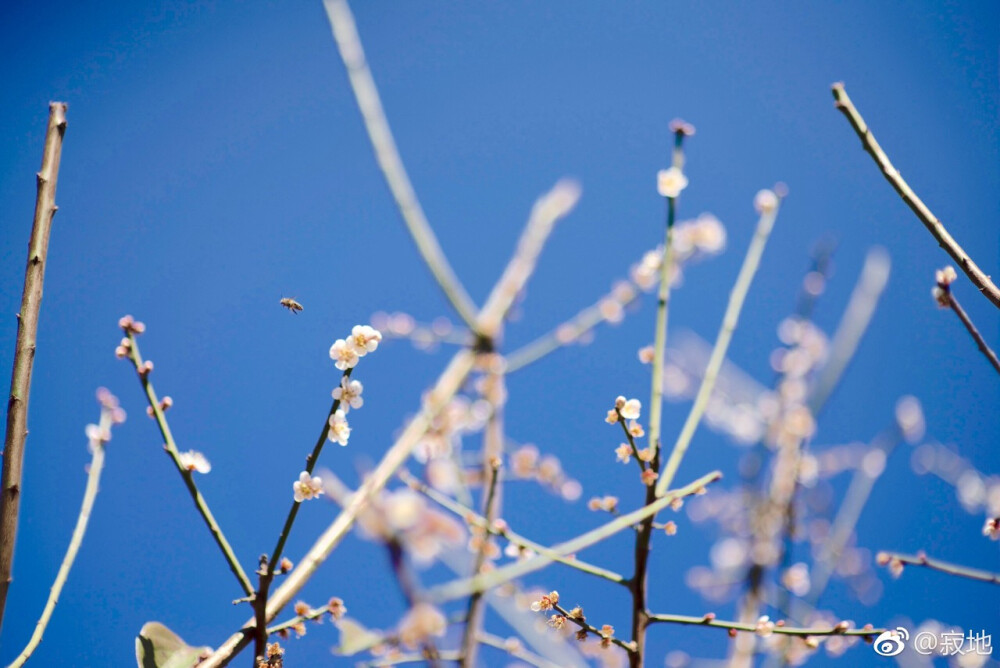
column 291, row 304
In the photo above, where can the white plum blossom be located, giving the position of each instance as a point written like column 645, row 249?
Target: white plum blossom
column 307, row 487
column 343, row 354
column 192, row 460
column 364, row 339
column 629, row 408
column 339, row 429
column 349, row 394
column 670, row 182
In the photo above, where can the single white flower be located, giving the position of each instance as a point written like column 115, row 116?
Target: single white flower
column 339, row 429
column 192, row 460
column 364, row 339
column 630, row 410
column 344, row 354
column 306, row 488
column 670, row 182
column 349, row 394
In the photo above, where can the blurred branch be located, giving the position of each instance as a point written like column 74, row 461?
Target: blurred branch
column 736, row 298
column 921, row 559
column 351, row 52
column 24, row 350
column 515, row 649
column 89, row 495
column 143, row 370
column 492, row 459
column 484, row 581
column 853, row 324
column 869, row 470
column 480, row 521
column 930, row 221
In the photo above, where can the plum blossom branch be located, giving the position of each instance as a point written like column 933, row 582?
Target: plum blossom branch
column 895, row 562
column 98, row 435
column 16, row 434
column 129, row 347
column 345, row 33
column 767, row 203
column 346, row 353
column 482, row 582
column 930, row 221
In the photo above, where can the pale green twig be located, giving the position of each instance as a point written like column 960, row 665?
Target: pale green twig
column 89, row 495
column 484, row 581
column 930, row 221
column 504, row 532
column 170, row 446
column 389, row 161
column 732, row 315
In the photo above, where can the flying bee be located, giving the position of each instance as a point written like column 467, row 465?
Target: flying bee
column 291, row 304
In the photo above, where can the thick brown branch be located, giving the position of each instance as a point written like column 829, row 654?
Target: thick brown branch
column 24, row 353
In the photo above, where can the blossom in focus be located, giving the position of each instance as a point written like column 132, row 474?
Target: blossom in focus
column 339, row 429
column 349, row 394
column 307, row 487
column 364, row 339
column 344, row 355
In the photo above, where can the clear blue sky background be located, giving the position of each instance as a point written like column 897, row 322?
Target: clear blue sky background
column 215, row 162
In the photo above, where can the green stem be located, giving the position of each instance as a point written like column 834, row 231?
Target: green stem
column 484, row 581
column 732, row 316
column 922, row 559
column 89, row 495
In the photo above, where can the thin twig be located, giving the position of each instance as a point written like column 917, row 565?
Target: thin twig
column 930, row 221
column 478, row 520
column 170, row 446
column 89, row 495
column 484, row 581
column 590, row 628
column 273, row 560
column 345, row 32
column 710, row 621
column 729, row 320
column 24, row 350
column 971, row 328
column 921, row 559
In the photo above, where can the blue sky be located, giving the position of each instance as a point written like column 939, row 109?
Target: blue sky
column 215, row 162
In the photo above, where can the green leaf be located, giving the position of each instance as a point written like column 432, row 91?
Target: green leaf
column 156, row 646
column 355, row 638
